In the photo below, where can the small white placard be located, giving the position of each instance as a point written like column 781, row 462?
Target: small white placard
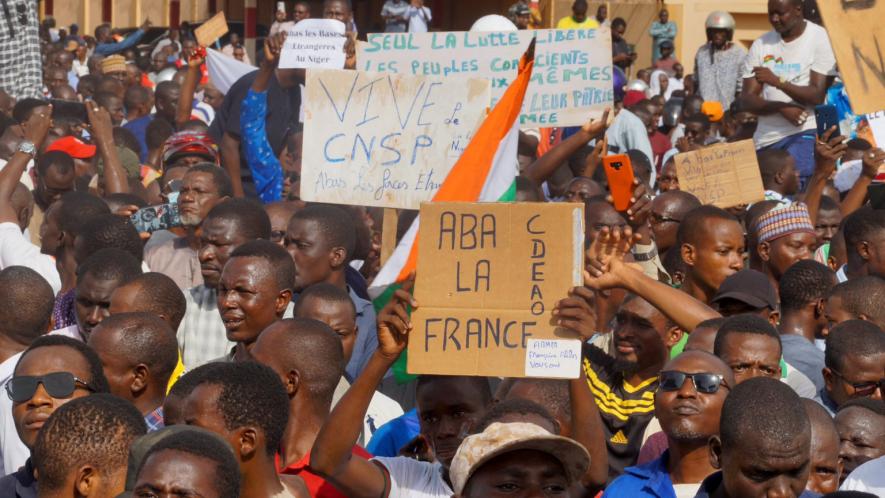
column 553, row 358
column 314, row 43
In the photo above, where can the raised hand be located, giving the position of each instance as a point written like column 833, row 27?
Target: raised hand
column 394, row 322
column 595, row 128
column 605, row 258
column 37, row 126
column 577, row 312
column 828, row 148
column 100, row 125
column 873, row 160
column 273, row 45
column 640, row 206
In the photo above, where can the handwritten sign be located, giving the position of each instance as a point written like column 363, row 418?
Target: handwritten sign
column 560, row 358
column 724, row 175
column 489, row 275
column 571, row 82
column 857, row 34
column 211, row 30
column 384, row 139
column 314, row 43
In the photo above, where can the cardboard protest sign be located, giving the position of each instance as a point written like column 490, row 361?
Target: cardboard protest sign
column 857, row 34
column 211, row 30
column 384, row 139
column 488, row 278
column 314, row 43
column 572, row 79
column 725, row 175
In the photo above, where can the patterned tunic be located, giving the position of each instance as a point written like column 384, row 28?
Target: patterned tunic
column 20, row 72
column 720, row 79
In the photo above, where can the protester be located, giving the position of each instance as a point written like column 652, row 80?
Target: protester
column 760, row 455
column 860, row 425
column 826, row 466
column 579, row 18
column 663, row 31
column 71, row 461
column 227, row 226
column 246, row 404
column 783, row 95
column 689, row 416
column 139, row 353
column 854, row 361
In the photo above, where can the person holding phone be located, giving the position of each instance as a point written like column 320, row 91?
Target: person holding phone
column 785, row 75
column 623, row 53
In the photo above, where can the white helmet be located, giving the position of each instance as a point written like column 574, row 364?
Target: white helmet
column 637, row 85
column 720, row 20
column 493, row 22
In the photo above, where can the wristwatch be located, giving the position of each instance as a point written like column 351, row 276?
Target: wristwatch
column 27, row 148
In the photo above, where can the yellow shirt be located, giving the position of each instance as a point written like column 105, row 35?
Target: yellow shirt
column 176, row 374
column 570, row 23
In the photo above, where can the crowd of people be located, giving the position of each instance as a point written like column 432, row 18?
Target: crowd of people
column 235, row 351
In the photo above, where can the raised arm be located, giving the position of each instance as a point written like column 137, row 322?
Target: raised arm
column 606, row 269
column 191, row 80
column 230, row 159
column 872, row 161
column 102, row 130
column 828, row 148
column 35, row 130
column 546, row 165
column 331, row 455
column 576, row 313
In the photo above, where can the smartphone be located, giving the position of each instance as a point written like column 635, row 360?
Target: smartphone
column 876, row 192
column 631, row 48
column 619, row 173
column 826, row 117
column 152, row 218
column 66, row 109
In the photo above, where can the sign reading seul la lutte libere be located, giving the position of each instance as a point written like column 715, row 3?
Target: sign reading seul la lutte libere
column 571, row 82
column 385, row 140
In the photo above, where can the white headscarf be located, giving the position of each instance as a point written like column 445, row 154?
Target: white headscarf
column 655, row 87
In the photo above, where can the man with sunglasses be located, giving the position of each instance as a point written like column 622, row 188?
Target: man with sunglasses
column 688, row 403
column 51, row 372
column 854, row 364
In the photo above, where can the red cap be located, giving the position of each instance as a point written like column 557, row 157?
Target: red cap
column 633, row 97
column 73, row 147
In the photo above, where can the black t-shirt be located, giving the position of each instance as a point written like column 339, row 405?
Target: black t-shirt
column 620, row 47
column 626, row 410
column 283, row 109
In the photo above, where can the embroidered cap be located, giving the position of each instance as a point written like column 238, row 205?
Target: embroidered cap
column 500, row 438
column 783, row 221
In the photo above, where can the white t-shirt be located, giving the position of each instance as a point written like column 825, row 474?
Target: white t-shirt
column 17, row 250
column 413, row 479
column 417, row 22
column 869, row 478
column 794, row 62
column 382, row 409
column 686, row 490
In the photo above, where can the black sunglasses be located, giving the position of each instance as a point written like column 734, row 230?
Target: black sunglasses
column 706, row 383
column 59, row 385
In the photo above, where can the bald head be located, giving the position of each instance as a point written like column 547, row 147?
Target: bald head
column 307, row 347
column 151, row 293
column 132, row 345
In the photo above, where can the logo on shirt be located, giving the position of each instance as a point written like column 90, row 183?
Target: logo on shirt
column 771, row 58
column 619, row 438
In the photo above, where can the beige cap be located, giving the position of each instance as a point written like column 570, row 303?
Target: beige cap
column 113, row 64
column 500, row 438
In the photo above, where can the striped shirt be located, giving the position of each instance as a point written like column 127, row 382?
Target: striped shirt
column 625, row 410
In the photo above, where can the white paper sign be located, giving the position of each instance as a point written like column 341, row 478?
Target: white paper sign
column 553, row 358
column 571, row 82
column 314, row 43
column 877, row 127
column 384, row 139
